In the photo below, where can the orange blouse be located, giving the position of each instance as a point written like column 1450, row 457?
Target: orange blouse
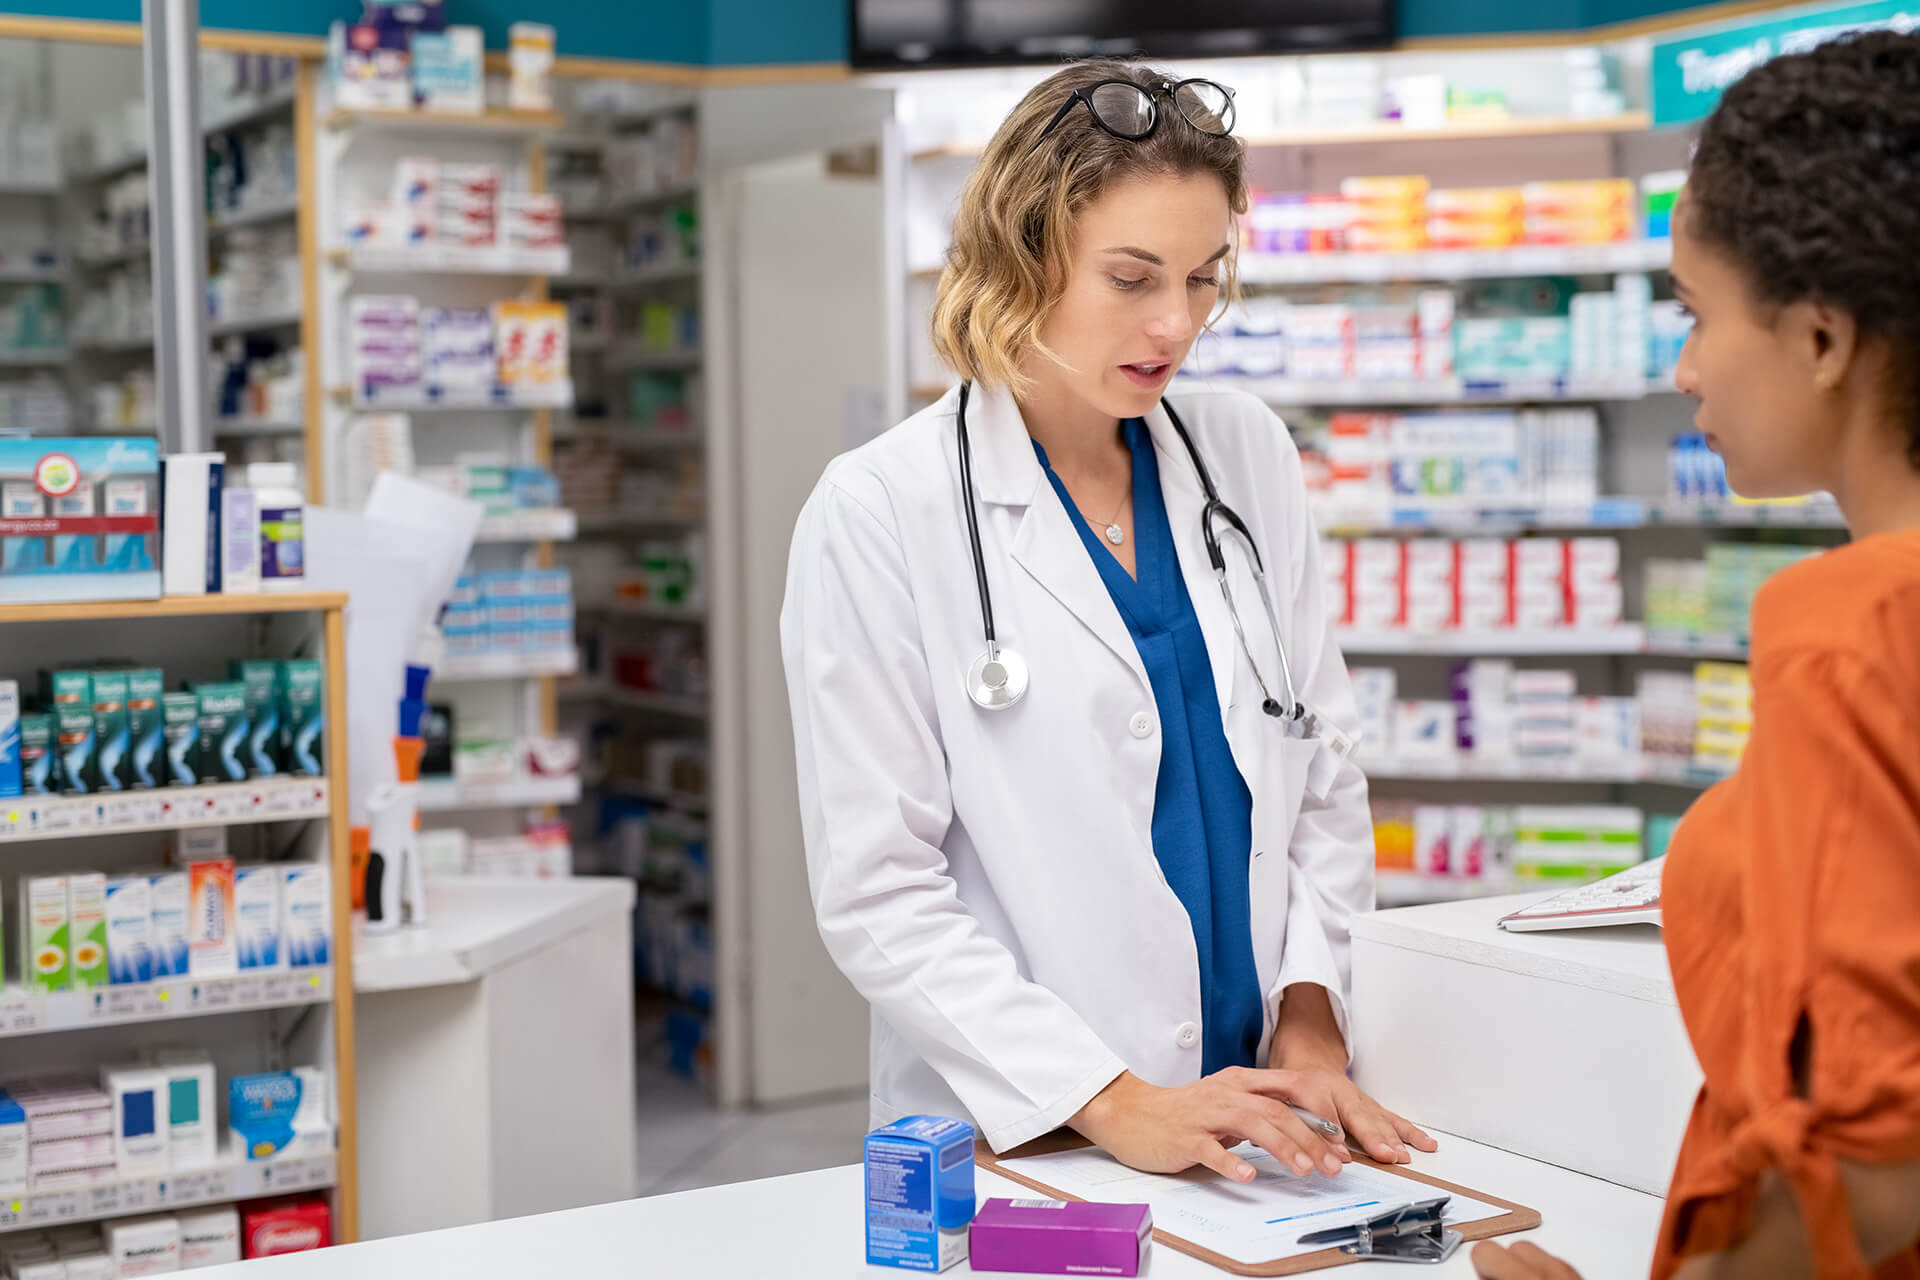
column 1792, row 905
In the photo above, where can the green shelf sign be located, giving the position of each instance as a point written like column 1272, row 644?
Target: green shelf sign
column 1690, row 74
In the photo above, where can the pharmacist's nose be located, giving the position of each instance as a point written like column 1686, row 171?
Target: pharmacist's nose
column 1686, row 378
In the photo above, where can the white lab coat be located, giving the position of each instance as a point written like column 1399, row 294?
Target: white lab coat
column 986, row 879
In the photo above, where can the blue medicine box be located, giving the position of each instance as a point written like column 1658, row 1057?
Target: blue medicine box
column 919, row 1177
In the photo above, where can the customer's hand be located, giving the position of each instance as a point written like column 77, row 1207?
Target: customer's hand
column 1374, row 1129
column 1521, row 1262
column 1160, row 1130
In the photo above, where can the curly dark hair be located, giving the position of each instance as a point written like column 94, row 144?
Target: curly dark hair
column 1807, row 176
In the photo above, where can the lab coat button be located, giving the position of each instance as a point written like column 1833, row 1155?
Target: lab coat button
column 1141, row 725
column 1187, row 1036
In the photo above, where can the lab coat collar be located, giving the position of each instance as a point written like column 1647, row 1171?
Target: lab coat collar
column 1005, row 470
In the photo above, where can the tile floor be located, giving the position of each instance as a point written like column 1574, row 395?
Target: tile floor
column 686, row 1142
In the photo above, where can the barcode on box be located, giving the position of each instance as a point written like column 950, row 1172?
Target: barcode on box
column 1039, row 1204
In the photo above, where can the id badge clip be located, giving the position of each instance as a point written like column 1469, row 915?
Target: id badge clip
column 1333, row 745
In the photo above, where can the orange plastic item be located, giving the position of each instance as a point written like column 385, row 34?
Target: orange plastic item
column 406, row 754
column 359, row 849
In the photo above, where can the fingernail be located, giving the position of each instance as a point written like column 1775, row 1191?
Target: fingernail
column 1301, row 1163
column 1400, row 1153
column 1331, row 1164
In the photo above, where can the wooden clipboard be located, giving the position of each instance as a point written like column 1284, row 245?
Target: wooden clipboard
column 1517, row 1217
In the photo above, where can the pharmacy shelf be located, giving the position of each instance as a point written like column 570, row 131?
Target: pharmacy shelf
column 265, row 322
column 24, row 818
column 27, row 1013
column 666, row 704
column 506, row 666
column 625, row 521
column 239, row 114
column 630, row 437
column 130, row 344
column 1534, row 771
column 113, row 257
column 431, row 399
column 174, row 607
column 32, row 274
column 631, row 357
column 233, row 219
column 447, row 796
column 1415, row 889
column 1673, row 644
column 39, row 358
column 236, row 427
column 1601, row 513
column 555, row 525
column 1626, row 638
column 1454, row 264
column 30, row 188
column 1422, row 391
column 655, row 276
column 1391, row 131
column 622, row 203
column 692, row 802
column 431, row 259
column 655, row 610
column 231, row 1179
column 390, row 120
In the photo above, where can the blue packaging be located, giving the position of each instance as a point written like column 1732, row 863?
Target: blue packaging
column 10, row 776
column 919, row 1179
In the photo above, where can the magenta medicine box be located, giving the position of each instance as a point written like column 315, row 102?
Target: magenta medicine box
column 1061, row 1237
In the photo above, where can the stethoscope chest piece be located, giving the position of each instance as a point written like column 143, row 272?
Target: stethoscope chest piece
column 997, row 679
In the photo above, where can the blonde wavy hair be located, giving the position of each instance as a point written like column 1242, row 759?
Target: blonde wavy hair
column 1013, row 234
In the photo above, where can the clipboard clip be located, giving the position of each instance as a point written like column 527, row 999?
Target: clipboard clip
column 1412, row 1232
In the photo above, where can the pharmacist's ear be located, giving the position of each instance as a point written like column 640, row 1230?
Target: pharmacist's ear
column 1824, row 338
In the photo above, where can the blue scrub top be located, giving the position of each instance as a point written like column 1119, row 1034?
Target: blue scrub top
column 1202, row 811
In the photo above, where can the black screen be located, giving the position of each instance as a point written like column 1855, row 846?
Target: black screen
column 947, row 33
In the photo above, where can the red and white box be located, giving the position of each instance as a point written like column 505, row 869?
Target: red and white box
column 1430, row 575
column 293, row 1225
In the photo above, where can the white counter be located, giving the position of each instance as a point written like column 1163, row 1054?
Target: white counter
column 495, row 1054
column 1567, row 1047
column 810, row 1227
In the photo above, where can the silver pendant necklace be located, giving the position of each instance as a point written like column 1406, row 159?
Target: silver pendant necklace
column 1115, row 534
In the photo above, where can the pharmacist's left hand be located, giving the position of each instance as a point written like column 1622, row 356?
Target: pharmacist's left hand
column 1374, row 1129
column 1521, row 1262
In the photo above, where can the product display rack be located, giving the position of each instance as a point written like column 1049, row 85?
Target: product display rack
column 245, row 1021
column 510, row 696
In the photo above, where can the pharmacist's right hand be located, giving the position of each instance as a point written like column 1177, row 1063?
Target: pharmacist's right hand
column 1158, row 1130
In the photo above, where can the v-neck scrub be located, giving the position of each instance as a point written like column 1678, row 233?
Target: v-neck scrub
column 1202, row 810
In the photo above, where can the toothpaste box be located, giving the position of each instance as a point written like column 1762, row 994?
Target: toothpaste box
column 11, row 781
column 256, row 911
column 211, row 948
column 919, row 1178
column 1061, row 1237
column 146, row 727
column 110, row 731
column 280, row 1113
column 129, row 930
column 87, row 929
column 259, row 679
column 75, row 749
column 170, row 893
column 306, row 915
column 39, row 775
column 180, row 732
column 44, row 963
column 223, row 732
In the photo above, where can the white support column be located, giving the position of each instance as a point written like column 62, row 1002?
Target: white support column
column 177, row 167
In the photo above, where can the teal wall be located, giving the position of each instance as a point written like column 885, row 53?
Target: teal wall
column 752, row 32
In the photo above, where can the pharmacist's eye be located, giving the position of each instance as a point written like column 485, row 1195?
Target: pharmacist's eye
column 1686, row 311
column 1125, row 285
column 1203, row 282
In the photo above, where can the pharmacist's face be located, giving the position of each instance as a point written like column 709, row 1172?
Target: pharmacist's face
column 1144, row 276
column 1758, row 405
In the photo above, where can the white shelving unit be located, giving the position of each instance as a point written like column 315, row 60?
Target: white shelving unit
column 446, row 796
column 507, row 666
column 232, row 1179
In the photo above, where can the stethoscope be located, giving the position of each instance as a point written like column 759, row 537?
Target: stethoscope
column 999, row 677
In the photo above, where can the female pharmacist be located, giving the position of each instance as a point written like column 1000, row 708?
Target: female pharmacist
column 1080, row 824
column 1792, row 891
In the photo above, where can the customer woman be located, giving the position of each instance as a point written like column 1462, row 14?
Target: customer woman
column 1079, row 819
column 1792, row 891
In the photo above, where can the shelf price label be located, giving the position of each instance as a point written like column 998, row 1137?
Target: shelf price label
column 60, row 1206
column 63, row 816
column 250, row 990
column 20, row 1012
column 216, row 995
column 114, row 1198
